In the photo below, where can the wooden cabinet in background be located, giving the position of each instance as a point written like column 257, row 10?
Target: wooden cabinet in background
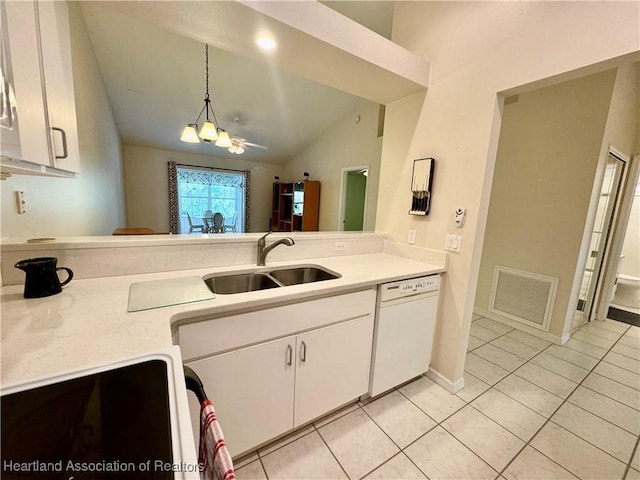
column 296, row 206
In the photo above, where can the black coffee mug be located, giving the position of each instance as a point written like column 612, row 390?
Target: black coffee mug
column 42, row 276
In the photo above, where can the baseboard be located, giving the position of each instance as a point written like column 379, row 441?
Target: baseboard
column 549, row 337
column 451, row 387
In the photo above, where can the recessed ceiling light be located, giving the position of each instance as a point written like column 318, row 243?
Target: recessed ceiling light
column 266, row 42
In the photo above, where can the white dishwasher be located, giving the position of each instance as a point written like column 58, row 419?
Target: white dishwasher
column 403, row 333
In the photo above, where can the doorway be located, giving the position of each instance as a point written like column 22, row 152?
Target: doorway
column 601, row 238
column 354, row 198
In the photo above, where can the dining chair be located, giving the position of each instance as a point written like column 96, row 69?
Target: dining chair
column 217, row 223
column 206, row 219
column 230, row 223
column 193, row 227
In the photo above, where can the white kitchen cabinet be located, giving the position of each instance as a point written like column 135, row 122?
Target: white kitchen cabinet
column 58, row 81
column 262, row 390
column 332, row 367
column 251, row 390
column 46, row 138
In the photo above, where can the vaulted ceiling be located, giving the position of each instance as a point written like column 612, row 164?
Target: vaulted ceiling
column 155, row 80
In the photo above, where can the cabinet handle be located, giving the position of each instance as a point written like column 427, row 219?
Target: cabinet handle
column 303, row 352
column 65, row 152
column 289, row 356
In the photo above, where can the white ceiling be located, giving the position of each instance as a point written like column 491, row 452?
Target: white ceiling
column 155, row 81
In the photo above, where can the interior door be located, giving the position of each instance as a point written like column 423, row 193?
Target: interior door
column 609, row 197
column 355, row 200
column 334, row 360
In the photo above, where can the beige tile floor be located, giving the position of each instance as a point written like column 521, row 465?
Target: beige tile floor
column 529, row 409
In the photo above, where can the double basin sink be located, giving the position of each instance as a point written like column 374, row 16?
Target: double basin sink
column 226, row 283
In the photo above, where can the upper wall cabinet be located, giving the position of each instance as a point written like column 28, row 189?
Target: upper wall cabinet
column 43, row 139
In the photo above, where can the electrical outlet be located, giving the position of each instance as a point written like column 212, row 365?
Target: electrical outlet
column 412, row 237
column 341, row 246
column 20, row 202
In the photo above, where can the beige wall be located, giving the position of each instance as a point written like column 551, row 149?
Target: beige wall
column 622, row 133
column 347, row 144
column 93, row 202
column 546, row 163
column 476, row 50
column 623, row 122
column 147, row 185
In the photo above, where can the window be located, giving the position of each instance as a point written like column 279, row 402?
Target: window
column 199, row 190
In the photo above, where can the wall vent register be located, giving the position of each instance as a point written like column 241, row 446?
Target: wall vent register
column 523, row 296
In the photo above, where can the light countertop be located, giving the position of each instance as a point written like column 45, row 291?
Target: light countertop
column 88, row 323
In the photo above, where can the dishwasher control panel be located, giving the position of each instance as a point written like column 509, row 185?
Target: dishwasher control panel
column 404, row 288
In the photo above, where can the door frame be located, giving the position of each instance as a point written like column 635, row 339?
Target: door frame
column 343, row 195
column 622, row 213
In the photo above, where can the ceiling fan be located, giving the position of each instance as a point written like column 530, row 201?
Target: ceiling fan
column 239, row 144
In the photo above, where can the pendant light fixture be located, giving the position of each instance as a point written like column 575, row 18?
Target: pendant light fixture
column 223, row 139
column 209, row 131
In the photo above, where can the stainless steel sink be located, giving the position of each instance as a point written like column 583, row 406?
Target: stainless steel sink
column 295, row 276
column 225, row 283
column 239, row 283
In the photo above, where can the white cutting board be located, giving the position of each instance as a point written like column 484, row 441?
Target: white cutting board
column 164, row 293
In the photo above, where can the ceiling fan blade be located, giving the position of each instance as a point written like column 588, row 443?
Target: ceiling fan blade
column 249, row 144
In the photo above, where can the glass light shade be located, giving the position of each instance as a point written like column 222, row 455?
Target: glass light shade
column 208, row 132
column 189, row 134
column 223, row 140
column 236, row 148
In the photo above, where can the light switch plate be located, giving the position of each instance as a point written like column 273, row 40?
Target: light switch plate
column 411, row 238
column 453, row 243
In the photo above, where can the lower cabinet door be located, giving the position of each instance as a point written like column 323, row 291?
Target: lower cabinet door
column 332, row 367
column 251, row 390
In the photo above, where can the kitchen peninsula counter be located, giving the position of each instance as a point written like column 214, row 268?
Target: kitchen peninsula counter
column 88, row 323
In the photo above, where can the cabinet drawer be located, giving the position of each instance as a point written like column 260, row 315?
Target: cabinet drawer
column 225, row 333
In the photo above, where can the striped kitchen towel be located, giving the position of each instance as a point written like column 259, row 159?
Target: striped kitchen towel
column 215, row 461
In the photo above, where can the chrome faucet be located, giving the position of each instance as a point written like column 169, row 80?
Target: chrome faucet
column 264, row 251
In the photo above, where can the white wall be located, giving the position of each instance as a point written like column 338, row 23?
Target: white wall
column 631, row 247
column 476, row 50
column 93, row 202
column 547, row 157
column 347, row 144
column 147, row 185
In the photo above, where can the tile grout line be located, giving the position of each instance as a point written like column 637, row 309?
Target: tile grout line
column 629, row 467
column 555, row 411
column 439, row 424
column 547, row 369
column 401, row 450
column 327, row 445
column 314, row 429
column 491, row 386
column 614, row 381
